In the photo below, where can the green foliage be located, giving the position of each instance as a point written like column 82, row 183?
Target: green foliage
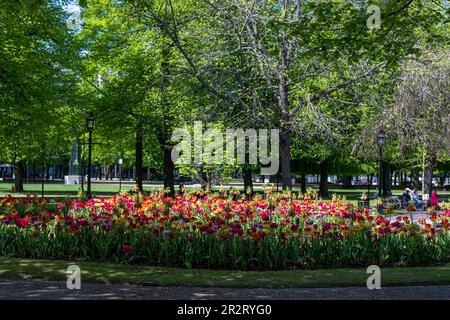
column 35, row 82
column 161, row 64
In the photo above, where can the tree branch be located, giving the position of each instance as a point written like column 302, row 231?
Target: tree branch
column 322, row 94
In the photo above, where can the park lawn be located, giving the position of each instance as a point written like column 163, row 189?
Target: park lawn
column 93, row 272
column 110, row 189
column 97, row 189
column 105, row 189
column 62, row 189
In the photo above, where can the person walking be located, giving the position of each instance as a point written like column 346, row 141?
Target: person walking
column 434, row 200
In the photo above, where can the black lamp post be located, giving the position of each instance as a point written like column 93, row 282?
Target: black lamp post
column 90, row 127
column 82, row 165
column 381, row 137
column 43, row 170
column 121, row 166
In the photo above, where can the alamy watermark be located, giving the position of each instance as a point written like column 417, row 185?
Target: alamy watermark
column 374, row 20
column 208, row 147
column 374, row 280
column 74, row 20
column 73, row 277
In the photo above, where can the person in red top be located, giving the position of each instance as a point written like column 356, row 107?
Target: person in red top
column 434, row 200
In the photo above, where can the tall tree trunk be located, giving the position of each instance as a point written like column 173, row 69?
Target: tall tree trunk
column 442, row 179
column 164, row 129
column 168, row 169
column 19, row 175
column 303, row 182
column 34, row 172
column 110, row 172
column 82, row 172
column 248, row 180
column 323, row 187
column 347, row 182
column 206, row 179
column 284, row 107
column 285, row 142
column 139, row 153
column 431, row 161
column 415, row 177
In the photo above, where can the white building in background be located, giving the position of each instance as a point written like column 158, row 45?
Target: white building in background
column 6, row 172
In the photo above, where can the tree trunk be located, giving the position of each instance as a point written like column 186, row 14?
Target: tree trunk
column 82, row 172
column 347, row 182
column 248, row 181
column 206, row 179
column 164, row 126
column 303, row 183
column 139, row 152
column 442, row 179
column 323, row 187
column 169, row 167
column 431, row 161
column 415, row 177
column 19, row 168
column 284, row 106
column 110, row 172
column 285, row 142
column 34, row 172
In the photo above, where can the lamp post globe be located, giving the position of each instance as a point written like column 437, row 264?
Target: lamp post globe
column 90, row 121
column 381, row 138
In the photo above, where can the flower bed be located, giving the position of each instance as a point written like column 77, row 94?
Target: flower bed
column 214, row 231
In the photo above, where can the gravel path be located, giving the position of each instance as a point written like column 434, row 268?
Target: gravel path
column 42, row 289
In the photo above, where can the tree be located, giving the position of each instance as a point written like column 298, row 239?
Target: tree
column 421, row 111
column 141, row 92
column 35, row 83
column 304, row 51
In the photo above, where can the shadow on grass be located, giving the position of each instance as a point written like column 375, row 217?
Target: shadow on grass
column 94, row 272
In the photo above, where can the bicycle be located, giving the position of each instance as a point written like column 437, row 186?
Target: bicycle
column 390, row 201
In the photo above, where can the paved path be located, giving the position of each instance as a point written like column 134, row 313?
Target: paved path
column 416, row 216
column 42, row 289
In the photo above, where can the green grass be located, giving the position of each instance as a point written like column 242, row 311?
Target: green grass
column 62, row 189
column 163, row 276
column 72, row 190
column 110, row 189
